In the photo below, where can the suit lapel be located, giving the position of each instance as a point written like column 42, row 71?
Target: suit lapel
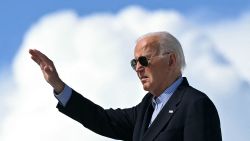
column 166, row 113
column 146, row 119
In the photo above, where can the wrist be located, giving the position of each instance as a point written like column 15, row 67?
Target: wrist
column 58, row 87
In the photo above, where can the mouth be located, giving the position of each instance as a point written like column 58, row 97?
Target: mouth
column 143, row 79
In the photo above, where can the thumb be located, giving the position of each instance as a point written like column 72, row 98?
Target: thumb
column 47, row 69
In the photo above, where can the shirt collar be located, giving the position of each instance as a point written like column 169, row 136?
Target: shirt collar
column 167, row 93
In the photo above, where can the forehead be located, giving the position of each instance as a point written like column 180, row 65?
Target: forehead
column 147, row 45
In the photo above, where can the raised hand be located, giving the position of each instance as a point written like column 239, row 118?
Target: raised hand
column 48, row 69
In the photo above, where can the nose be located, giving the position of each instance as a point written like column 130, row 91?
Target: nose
column 139, row 67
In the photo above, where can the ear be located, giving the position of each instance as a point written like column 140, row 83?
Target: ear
column 172, row 60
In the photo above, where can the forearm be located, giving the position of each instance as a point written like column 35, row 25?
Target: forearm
column 110, row 123
column 58, row 86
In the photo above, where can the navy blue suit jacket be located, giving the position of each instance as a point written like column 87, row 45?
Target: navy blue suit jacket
column 189, row 115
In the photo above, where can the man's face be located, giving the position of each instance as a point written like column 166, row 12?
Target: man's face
column 154, row 77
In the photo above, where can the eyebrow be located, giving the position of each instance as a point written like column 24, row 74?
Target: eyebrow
column 147, row 55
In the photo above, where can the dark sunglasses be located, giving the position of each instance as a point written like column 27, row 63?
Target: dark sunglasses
column 142, row 60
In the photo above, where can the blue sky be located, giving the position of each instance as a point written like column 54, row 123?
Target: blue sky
column 67, row 31
column 18, row 16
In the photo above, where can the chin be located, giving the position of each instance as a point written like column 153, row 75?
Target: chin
column 146, row 87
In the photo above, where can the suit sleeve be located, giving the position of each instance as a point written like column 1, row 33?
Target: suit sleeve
column 203, row 122
column 117, row 124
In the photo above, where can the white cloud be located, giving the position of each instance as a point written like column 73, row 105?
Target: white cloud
column 92, row 55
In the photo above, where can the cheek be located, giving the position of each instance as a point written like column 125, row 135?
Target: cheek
column 152, row 78
column 155, row 76
column 149, row 73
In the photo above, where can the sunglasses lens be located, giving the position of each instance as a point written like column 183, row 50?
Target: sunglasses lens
column 143, row 61
column 133, row 63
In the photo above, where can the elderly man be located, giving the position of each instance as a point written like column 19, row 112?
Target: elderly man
column 172, row 110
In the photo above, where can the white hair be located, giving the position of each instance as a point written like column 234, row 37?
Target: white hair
column 168, row 43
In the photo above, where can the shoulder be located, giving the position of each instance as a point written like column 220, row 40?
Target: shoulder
column 191, row 95
column 189, row 92
column 194, row 93
column 196, row 98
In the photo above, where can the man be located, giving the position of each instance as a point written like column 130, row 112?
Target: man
column 170, row 111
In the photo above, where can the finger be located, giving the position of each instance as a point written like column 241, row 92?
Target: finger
column 39, row 57
column 41, row 64
column 36, row 59
column 35, row 56
column 31, row 51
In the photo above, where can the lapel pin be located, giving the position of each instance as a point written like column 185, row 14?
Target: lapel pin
column 171, row 111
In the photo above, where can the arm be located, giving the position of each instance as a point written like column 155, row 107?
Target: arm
column 117, row 124
column 112, row 123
